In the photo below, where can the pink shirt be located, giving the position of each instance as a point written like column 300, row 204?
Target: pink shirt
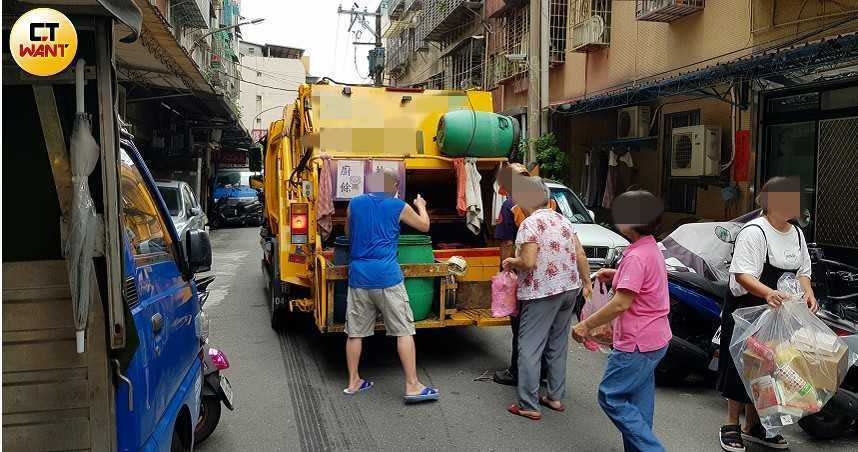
column 644, row 326
column 556, row 268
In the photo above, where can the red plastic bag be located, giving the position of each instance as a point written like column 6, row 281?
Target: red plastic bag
column 602, row 337
column 504, row 298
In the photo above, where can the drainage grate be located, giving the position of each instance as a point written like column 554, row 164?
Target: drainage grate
column 836, row 192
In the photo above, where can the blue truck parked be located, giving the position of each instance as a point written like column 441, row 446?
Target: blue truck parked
column 101, row 352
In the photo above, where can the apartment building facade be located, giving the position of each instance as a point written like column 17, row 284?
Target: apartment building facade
column 434, row 44
column 771, row 83
column 179, row 86
column 271, row 74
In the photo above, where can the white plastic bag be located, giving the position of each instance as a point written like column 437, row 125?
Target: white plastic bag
column 790, row 362
column 602, row 337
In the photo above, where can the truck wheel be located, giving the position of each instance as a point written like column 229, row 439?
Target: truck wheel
column 209, row 418
column 176, row 444
column 826, row 424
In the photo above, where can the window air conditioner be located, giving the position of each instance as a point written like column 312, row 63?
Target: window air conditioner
column 633, row 122
column 695, row 151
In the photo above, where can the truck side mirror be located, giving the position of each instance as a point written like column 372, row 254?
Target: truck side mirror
column 198, row 250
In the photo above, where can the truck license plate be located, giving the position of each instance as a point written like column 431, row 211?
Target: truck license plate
column 226, row 387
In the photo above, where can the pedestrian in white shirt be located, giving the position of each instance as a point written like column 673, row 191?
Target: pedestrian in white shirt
column 766, row 248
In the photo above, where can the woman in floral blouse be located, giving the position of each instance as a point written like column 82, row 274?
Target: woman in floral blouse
column 550, row 263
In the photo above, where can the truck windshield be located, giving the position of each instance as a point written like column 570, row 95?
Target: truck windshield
column 233, row 178
column 570, row 206
column 171, row 199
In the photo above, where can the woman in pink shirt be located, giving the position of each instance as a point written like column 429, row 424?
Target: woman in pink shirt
column 638, row 311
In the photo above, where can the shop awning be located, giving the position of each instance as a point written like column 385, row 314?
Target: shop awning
column 802, row 59
column 157, row 58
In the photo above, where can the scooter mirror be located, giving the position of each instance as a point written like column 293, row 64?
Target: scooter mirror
column 723, row 234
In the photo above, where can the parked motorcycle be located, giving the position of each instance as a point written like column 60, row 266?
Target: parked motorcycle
column 237, row 212
column 836, row 287
column 216, row 387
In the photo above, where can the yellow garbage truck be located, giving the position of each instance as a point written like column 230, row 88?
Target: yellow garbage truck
column 317, row 157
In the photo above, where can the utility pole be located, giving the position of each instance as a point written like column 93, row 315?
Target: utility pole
column 379, row 74
column 534, row 88
column 544, row 39
column 376, row 55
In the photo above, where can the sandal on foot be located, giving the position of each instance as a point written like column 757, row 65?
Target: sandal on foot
column 730, row 437
column 427, row 394
column 547, row 403
column 516, row 410
column 758, row 435
column 365, row 386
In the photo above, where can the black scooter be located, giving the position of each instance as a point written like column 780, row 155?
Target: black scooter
column 836, row 289
column 231, row 212
column 216, row 387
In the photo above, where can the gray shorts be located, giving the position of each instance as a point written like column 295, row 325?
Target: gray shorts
column 363, row 306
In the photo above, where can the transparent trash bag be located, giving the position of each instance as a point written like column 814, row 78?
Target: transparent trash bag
column 790, row 362
column 601, row 338
column 504, row 298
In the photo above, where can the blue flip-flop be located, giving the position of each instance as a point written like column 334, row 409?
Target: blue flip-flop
column 365, row 386
column 427, row 394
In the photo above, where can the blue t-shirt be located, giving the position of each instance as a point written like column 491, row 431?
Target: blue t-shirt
column 506, row 229
column 374, row 236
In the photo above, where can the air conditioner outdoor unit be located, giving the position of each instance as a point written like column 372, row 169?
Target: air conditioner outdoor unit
column 633, row 122
column 695, row 151
column 588, row 32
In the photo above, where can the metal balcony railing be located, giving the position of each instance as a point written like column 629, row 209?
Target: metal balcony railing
column 666, row 10
column 190, row 13
column 443, row 19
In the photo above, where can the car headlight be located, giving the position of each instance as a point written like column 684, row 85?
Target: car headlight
column 616, row 253
column 202, row 326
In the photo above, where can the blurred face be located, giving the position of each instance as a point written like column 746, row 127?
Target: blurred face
column 382, row 182
column 511, row 175
column 528, row 193
column 784, row 204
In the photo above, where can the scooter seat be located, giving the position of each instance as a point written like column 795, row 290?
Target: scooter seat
column 700, row 283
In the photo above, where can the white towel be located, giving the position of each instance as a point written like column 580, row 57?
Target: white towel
column 473, row 197
column 497, row 202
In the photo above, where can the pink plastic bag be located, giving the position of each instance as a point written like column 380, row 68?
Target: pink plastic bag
column 504, row 298
column 601, row 338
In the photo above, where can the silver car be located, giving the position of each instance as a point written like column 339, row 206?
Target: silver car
column 183, row 206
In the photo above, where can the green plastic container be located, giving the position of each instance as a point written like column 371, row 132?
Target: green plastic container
column 417, row 249
column 467, row 133
column 413, row 249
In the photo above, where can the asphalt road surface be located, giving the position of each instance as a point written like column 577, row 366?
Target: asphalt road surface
column 288, row 386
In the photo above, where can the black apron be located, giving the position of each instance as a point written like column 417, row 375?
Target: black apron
column 729, row 382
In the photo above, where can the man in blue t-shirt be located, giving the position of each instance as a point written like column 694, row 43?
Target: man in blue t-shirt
column 376, row 283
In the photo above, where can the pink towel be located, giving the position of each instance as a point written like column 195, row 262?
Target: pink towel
column 461, row 181
column 325, row 203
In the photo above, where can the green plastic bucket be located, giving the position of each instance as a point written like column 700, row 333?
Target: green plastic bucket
column 417, row 249
column 413, row 249
column 467, row 133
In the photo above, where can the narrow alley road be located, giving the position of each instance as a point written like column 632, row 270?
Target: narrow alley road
column 288, row 386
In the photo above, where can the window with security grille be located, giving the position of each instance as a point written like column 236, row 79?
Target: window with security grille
column 836, row 221
column 465, row 65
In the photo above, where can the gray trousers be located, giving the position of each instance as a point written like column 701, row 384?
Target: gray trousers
column 544, row 328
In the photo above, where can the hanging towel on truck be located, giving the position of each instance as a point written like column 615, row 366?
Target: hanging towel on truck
column 469, row 199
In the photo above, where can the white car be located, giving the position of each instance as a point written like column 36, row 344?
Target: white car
column 600, row 243
column 182, row 205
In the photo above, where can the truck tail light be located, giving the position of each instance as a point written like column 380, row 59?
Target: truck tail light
column 299, row 222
